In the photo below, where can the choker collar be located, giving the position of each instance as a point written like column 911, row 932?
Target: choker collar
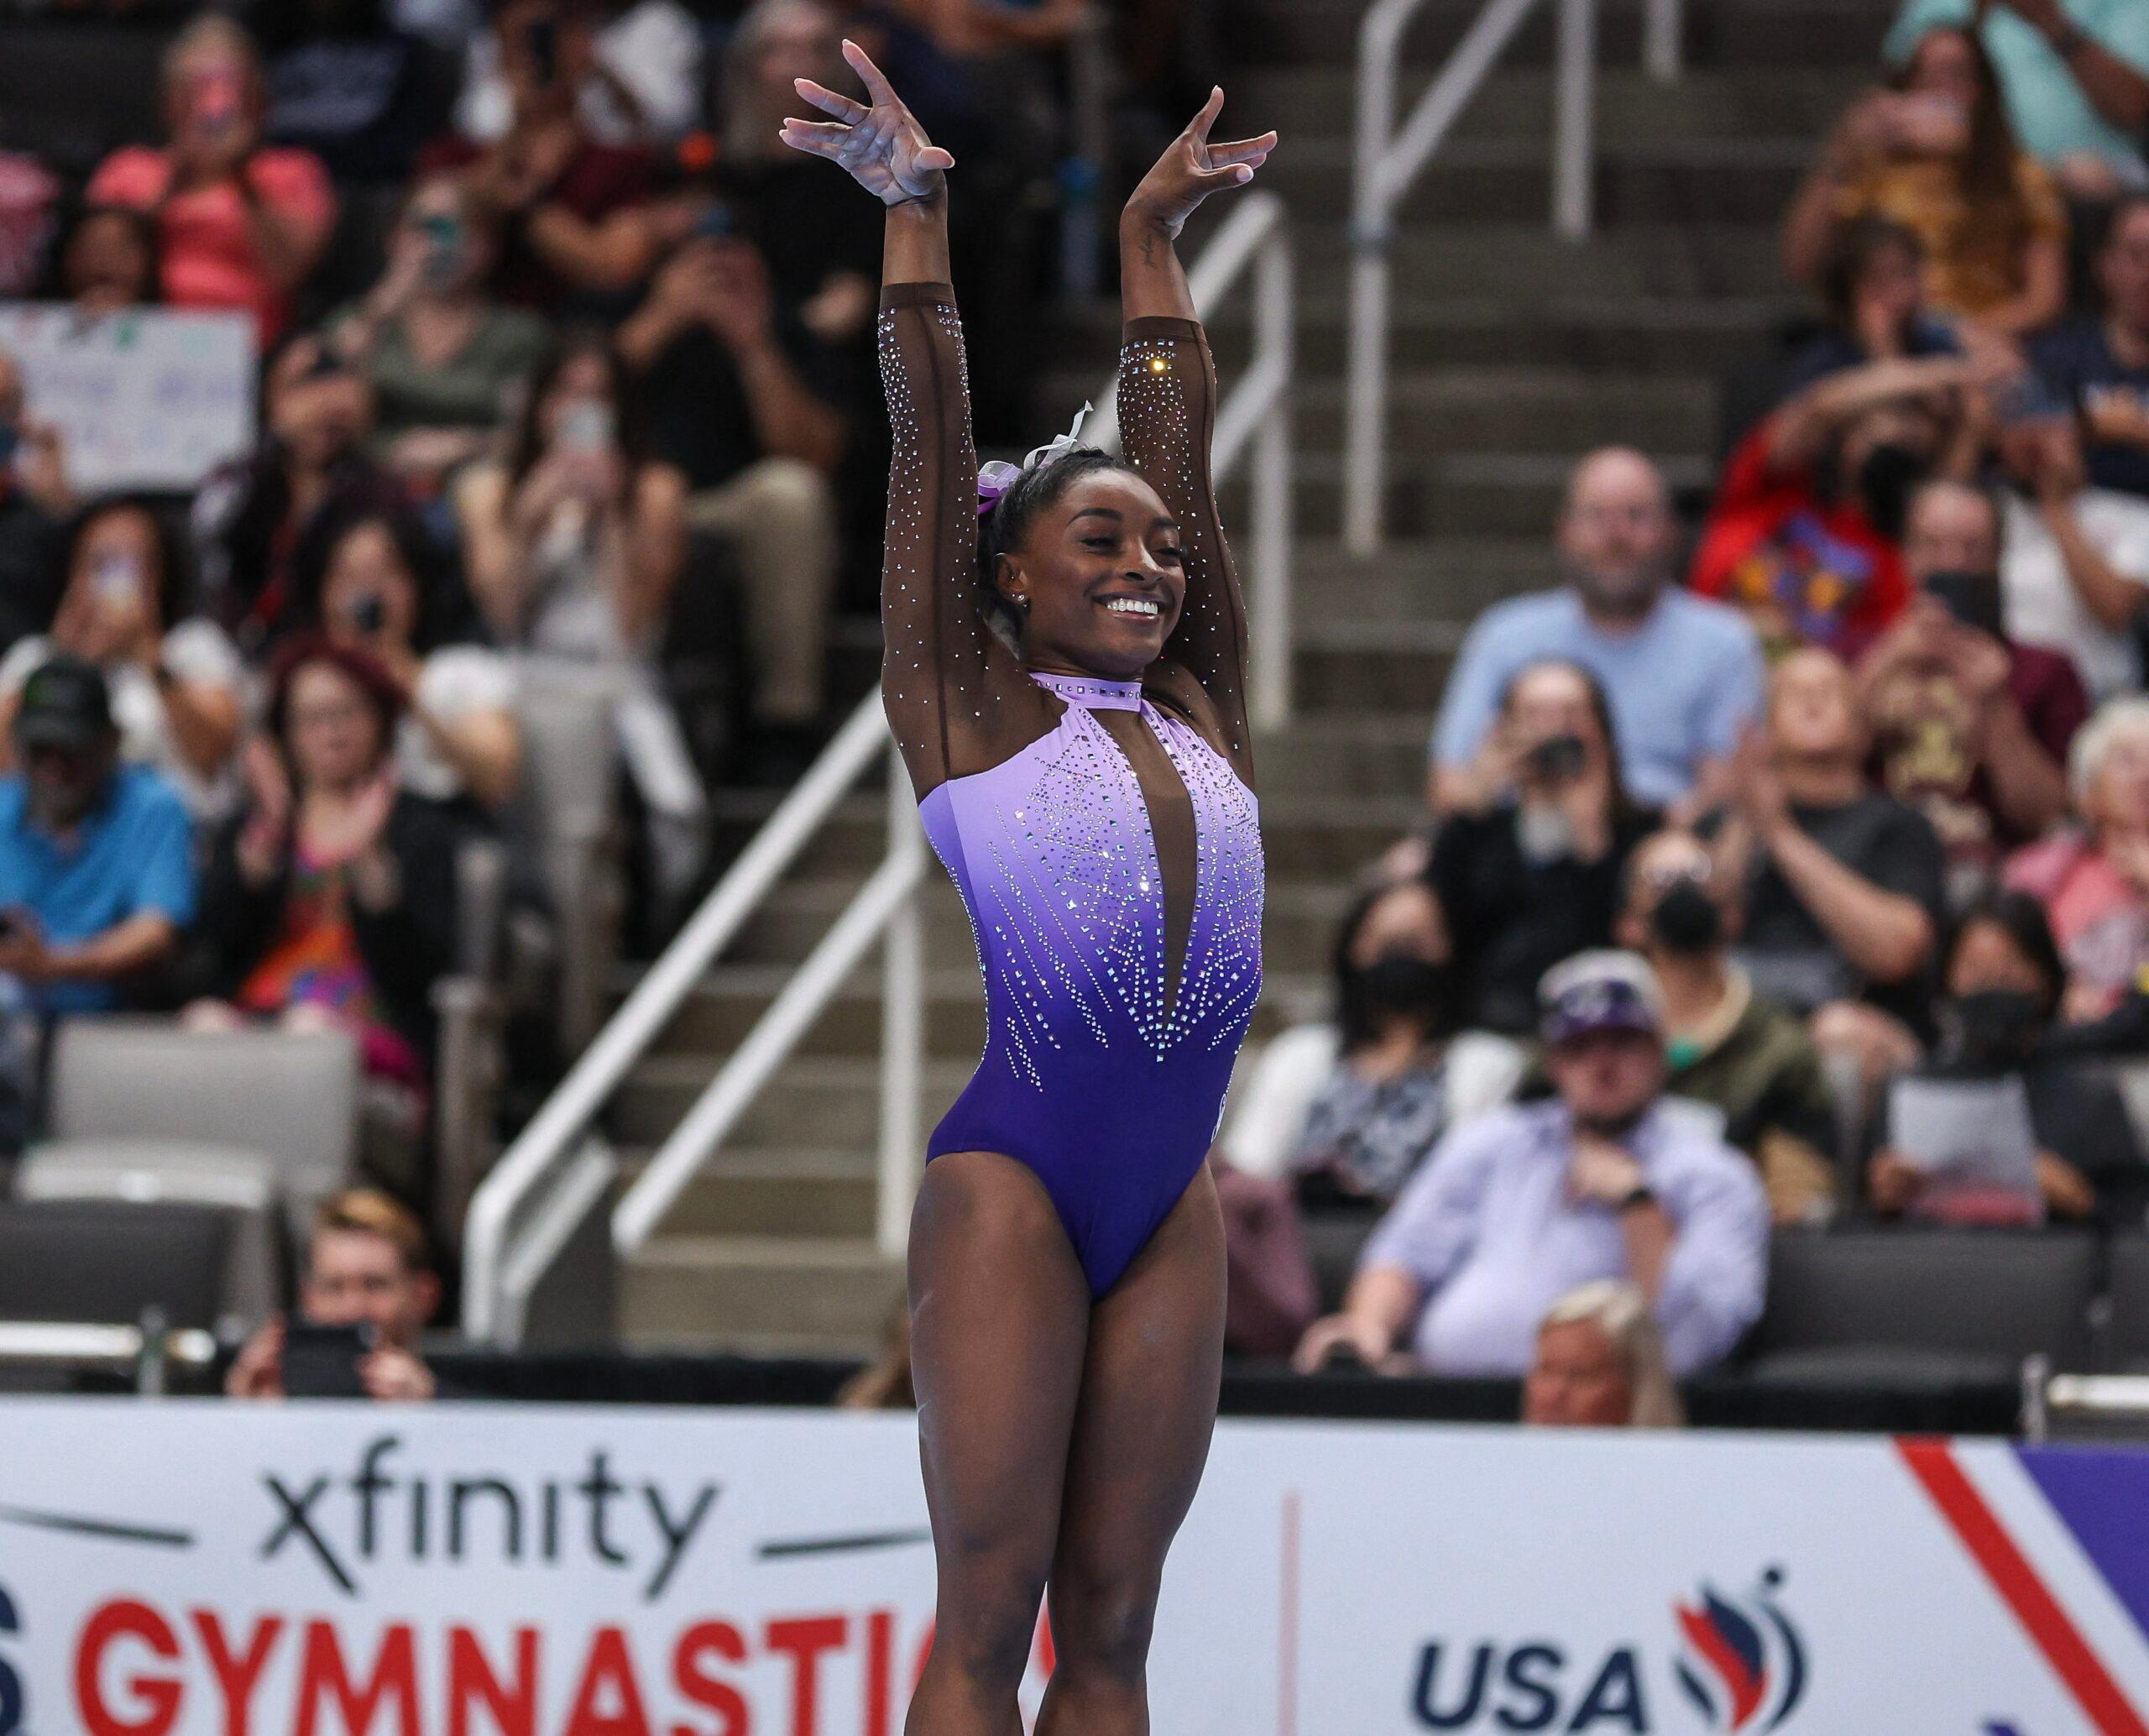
column 1091, row 692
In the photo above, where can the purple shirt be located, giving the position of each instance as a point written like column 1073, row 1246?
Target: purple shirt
column 1487, row 1230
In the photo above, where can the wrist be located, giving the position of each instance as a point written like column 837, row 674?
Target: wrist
column 1141, row 217
column 931, row 205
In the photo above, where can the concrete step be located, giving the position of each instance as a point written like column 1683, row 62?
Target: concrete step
column 815, row 1103
column 1471, row 495
column 797, row 1194
column 770, row 1295
column 1309, row 103
column 1527, row 263
column 1451, row 578
column 1755, row 33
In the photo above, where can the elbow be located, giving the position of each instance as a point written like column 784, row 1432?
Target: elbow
column 1905, row 952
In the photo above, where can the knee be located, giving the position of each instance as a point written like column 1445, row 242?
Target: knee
column 793, row 491
column 985, row 1624
column 1102, row 1623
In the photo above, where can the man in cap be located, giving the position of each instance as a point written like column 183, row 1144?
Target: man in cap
column 1516, row 1208
column 96, row 877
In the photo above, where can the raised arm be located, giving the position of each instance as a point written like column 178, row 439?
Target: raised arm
column 1167, row 404
column 940, row 657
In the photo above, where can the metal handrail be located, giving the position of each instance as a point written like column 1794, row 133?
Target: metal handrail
column 556, row 1172
column 1387, row 164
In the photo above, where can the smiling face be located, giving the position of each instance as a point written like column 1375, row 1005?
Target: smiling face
column 1098, row 580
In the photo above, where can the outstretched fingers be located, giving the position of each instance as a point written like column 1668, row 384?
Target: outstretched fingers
column 819, row 139
column 1197, row 129
column 834, row 103
column 876, row 82
column 1242, row 151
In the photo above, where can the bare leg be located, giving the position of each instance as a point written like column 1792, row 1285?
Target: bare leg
column 999, row 1317
column 1142, row 1429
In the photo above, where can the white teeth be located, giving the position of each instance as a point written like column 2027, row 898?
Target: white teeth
column 1133, row 605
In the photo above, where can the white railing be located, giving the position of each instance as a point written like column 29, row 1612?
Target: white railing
column 1387, row 164
column 542, row 1190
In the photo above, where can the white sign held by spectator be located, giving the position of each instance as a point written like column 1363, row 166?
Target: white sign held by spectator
column 148, row 399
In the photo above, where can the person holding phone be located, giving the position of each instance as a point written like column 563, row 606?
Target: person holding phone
column 1969, row 725
column 1535, row 875
column 239, row 224
column 1934, row 152
column 177, row 687
column 366, row 1297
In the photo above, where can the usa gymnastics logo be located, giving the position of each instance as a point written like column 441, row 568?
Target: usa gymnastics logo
column 1743, row 1664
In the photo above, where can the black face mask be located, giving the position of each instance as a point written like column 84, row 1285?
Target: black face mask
column 1885, row 481
column 1402, row 985
column 1686, row 919
column 1994, row 1028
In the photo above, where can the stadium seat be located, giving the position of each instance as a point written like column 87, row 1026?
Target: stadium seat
column 103, row 1262
column 1332, row 1244
column 2123, row 1345
column 166, row 1172
column 1923, row 1308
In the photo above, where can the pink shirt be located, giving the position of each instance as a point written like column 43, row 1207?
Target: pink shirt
column 2096, row 915
column 207, row 245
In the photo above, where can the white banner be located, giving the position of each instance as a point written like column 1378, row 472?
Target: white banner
column 149, row 398
column 200, row 1569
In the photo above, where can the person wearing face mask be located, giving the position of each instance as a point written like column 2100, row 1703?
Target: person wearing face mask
column 177, row 689
column 1725, row 1046
column 97, row 867
column 1803, row 536
column 1681, row 676
column 1346, row 1109
column 2004, row 981
column 1534, row 877
column 443, row 359
column 1969, row 726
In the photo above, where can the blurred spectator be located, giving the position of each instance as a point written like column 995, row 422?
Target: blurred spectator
column 239, row 224
column 1516, row 1209
column 1599, row 1364
column 261, row 522
column 33, row 494
column 1845, row 889
column 2093, row 882
column 642, row 84
column 2074, row 565
column 1935, row 154
column 2004, row 981
column 108, row 261
column 1967, row 726
column 446, row 364
column 885, row 1383
column 2099, row 366
column 1270, row 1293
column 2075, row 75
column 346, row 84
column 457, row 735
column 967, row 29
column 1726, row 1046
column 1803, row 532
column 1873, row 289
column 737, row 399
column 97, row 875
column 177, row 687
column 365, row 1267
column 1534, row 877
column 331, row 901
column 574, row 211
column 1681, row 675
column 1345, row 1110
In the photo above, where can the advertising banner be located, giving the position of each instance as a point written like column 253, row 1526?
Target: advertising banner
column 201, row 1569
column 150, row 397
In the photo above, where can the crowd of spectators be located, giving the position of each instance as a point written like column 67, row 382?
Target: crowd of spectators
column 563, row 369
column 1787, row 867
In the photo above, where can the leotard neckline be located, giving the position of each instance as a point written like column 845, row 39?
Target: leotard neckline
column 1092, row 692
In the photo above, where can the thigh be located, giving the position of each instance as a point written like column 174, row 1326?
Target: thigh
column 1148, row 1401
column 999, row 1319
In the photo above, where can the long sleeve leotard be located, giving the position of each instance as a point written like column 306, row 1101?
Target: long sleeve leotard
column 1104, row 834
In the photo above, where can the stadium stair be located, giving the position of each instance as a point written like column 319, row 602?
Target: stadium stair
column 1514, row 353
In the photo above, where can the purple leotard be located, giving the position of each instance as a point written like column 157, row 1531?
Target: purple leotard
column 1104, row 834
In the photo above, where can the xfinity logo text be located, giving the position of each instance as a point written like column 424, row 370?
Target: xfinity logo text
column 11, row 1684
column 587, row 1516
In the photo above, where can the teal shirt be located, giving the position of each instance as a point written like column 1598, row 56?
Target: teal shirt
column 2053, row 118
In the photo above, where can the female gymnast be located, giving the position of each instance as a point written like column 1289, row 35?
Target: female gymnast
column 1091, row 793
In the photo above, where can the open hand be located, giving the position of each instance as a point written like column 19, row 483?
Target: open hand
column 1192, row 168
column 882, row 146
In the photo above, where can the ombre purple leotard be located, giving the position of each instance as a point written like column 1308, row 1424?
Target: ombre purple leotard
column 1104, row 834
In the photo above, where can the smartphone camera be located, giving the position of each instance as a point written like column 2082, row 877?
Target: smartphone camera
column 1558, row 760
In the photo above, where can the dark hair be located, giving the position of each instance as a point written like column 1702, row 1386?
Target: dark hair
column 443, row 607
column 1851, row 255
column 174, row 575
column 1354, row 1017
column 360, row 667
column 571, row 346
column 56, row 287
column 1991, row 157
column 2021, row 918
column 1623, row 806
column 1001, row 531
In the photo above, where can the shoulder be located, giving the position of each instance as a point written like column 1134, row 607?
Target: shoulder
column 199, row 651
column 285, row 172
column 1708, row 625
column 465, row 678
column 1536, row 613
column 144, row 798
column 134, row 174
